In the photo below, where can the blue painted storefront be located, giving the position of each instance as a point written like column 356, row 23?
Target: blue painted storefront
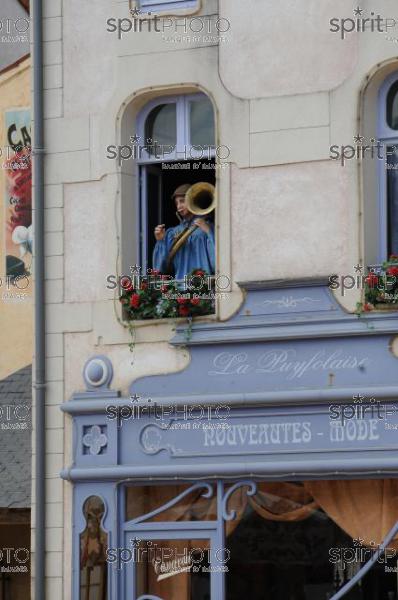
column 285, row 381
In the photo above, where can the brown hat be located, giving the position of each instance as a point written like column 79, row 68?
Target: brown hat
column 181, row 190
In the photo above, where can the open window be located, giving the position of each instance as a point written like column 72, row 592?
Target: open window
column 169, row 208
column 378, row 148
column 179, row 148
column 388, row 168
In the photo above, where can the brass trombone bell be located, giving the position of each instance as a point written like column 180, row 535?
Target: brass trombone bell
column 200, row 199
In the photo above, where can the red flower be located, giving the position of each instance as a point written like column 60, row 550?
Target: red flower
column 182, row 300
column 126, row 284
column 393, row 271
column 183, row 311
column 135, row 301
column 195, row 301
column 155, row 272
column 199, row 273
column 164, row 289
column 368, row 307
column 372, row 280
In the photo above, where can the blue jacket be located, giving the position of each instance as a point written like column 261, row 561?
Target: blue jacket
column 198, row 252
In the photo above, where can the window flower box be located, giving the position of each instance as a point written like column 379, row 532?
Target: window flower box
column 381, row 287
column 158, row 296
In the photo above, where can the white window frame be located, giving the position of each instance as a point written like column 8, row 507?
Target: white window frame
column 183, row 150
column 166, row 5
column 182, row 153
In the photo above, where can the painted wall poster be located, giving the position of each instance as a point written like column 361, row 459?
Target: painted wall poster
column 18, row 193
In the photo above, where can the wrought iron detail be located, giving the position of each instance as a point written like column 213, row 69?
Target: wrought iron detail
column 197, row 486
column 367, row 566
column 230, row 516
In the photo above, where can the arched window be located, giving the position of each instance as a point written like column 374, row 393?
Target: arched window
column 176, row 146
column 392, row 106
column 388, row 167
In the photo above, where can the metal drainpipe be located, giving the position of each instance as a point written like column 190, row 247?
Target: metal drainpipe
column 39, row 382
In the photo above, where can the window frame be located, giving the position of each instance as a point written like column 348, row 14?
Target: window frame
column 211, row 152
column 386, row 136
column 144, row 157
column 145, row 160
column 148, row 6
column 181, row 102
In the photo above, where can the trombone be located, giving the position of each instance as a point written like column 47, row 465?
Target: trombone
column 200, row 200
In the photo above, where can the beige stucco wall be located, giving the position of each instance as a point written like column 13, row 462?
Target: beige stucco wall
column 284, row 48
column 16, row 322
column 282, row 206
column 284, row 89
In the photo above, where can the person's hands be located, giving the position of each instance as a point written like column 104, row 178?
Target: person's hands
column 202, row 224
column 160, row 232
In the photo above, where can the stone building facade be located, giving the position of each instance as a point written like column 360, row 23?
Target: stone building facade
column 287, row 83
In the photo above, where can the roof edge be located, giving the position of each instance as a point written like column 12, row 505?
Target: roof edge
column 25, row 4
column 15, row 64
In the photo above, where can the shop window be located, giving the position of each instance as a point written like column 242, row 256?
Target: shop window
column 93, row 545
column 169, row 5
column 170, row 503
column 283, row 541
column 169, row 575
